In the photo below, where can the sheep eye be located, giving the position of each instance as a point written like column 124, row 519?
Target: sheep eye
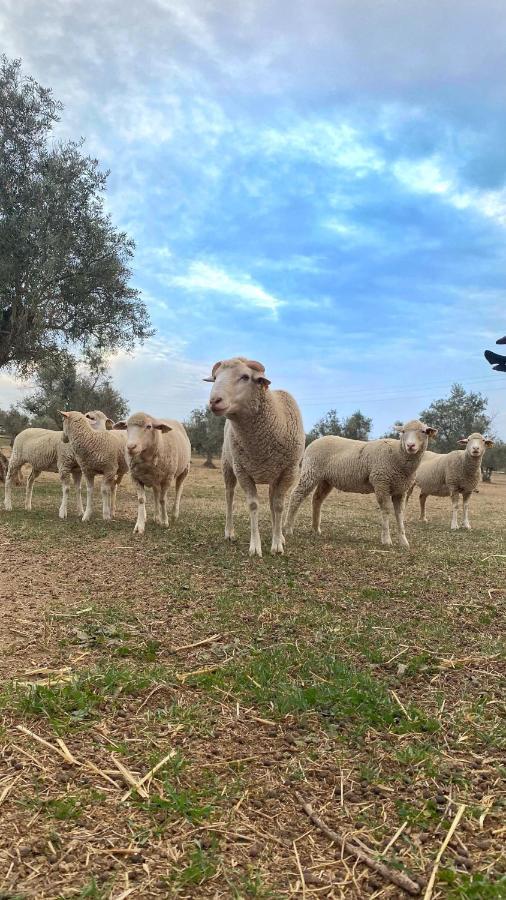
column 244, row 378
column 148, row 427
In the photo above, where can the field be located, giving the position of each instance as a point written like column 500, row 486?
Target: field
column 367, row 682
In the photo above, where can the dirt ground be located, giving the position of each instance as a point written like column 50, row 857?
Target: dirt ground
column 168, row 705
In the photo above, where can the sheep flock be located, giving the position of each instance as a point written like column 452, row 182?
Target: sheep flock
column 264, row 444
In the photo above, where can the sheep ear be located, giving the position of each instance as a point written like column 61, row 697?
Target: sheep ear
column 431, row 432
column 119, row 426
column 264, row 382
column 463, row 441
column 209, row 379
column 162, row 426
column 398, row 428
column 64, row 414
column 109, row 424
column 489, row 442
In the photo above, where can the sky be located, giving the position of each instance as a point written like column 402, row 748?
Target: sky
column 319, row 186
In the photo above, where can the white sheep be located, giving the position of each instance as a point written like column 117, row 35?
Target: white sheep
column 452, row 474
column 44, row 450
column 386, row 467
column 263, row 442
column 97, row 453
column 157, row 451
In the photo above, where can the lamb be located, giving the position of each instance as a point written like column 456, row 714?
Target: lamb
column 157, row 451
column 451, row 474
column 45, row 451
column 97, row 453
column 386, row 467
column 263, row 442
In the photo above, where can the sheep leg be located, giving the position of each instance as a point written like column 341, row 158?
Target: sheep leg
column 385, row 505
column 423, row 514
column 114, row 488
column 466, row 523
column 455, row 509
column 34, row 474
column 141, row 508
column 156, row 497
column 277, row 495
column 76, row 478
column 230, row 480
column 306, row 484
column 250, row 489
column 164, row 490
column 106, row 490
column 88, row 512
column 13, row 471
column 180, row 480
column 65, row 491
column 399, row 503
column 322, row 491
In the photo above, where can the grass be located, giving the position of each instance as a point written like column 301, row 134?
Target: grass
column 369, row 680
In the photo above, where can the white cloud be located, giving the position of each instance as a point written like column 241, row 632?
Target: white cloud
column 203, row 277
column 13, row 390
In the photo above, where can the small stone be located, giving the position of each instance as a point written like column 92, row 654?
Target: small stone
column 25, row 851
column 254, row 851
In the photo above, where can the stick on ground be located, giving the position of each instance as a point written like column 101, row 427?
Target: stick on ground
column 395, row 877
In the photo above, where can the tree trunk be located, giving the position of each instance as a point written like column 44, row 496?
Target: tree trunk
column 209, row 461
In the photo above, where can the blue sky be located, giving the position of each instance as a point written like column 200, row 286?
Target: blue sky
column 319, row 186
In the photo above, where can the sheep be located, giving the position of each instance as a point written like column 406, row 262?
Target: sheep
column 263, row 442
column 45, row 451
column 451, row 474
column 97, row 453
column 386, row 467
column 157, row 450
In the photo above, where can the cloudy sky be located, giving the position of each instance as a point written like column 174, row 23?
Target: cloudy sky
column 321, row 186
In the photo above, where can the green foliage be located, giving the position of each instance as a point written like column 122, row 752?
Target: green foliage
column 456, row 416
column 357, row 427
column 60, row 386
column 494, row 460
column 205, row 431
column 63, row 266
column 12, row 421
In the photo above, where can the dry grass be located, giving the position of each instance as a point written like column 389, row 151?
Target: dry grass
column 368, row 681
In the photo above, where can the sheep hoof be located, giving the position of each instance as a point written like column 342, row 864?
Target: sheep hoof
column 466, row 525
column 230, row 536
column 8, row 506
column 255, row 551
column 139, row 529
column 86, row 518
column 62, row 513
column 404, row 543
column 454, row 527
column 387, row 541
column 277, row 548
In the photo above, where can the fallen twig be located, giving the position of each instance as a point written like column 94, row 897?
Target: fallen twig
column 452, row 828
column 398, row 878
column 301, row 873
column 8, row 789
column 209, row 640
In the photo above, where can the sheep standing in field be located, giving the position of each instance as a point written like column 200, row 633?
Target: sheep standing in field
column 263, row 442
column 157, row 451
column 451, row 474
column 97, row 453
column 386, row 467
column 45, row 451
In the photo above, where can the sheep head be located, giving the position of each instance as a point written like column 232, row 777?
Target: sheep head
column 237, row 385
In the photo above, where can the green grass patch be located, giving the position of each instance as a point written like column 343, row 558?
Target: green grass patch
column 294, row 679
column 472, row 887
column 78, row 703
